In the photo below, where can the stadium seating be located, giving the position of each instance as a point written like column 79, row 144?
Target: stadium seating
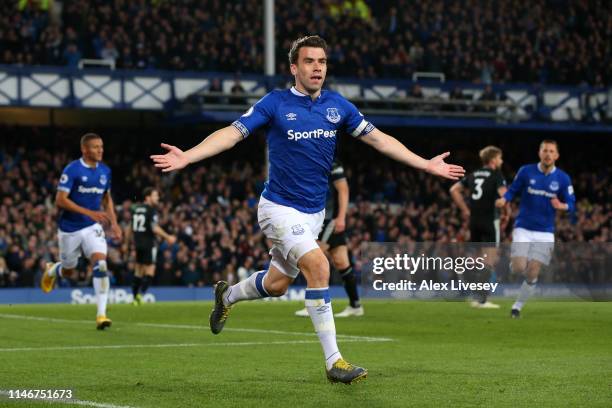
column 475, row 40
column 212, row 208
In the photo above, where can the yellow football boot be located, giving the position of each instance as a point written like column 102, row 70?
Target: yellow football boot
column 102, row 322
column 47, row 283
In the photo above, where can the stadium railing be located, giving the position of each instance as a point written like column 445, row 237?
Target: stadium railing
column 511, row 105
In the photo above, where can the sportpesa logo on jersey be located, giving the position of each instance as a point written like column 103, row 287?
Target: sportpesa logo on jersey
column 90, row 190
column 310, row 134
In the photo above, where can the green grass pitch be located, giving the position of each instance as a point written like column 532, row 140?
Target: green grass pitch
column 421, row 354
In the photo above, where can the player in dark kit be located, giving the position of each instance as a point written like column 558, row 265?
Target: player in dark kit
column 144, row 228
column 485, row 185
column 332, row 239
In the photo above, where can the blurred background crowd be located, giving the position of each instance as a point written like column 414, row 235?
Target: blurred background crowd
column 471, row 40
column 212, row 207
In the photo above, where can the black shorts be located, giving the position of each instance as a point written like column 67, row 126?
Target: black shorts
column 331, row 238
column 146, row 255
column 484, row 231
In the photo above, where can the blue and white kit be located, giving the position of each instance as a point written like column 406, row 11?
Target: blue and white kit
column 85, row 186
column 302, row 135
column 536, row 220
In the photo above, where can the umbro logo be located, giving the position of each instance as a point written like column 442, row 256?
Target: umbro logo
column 84, row 179
column 291, row 116
column 323, row 309
column 532, row 181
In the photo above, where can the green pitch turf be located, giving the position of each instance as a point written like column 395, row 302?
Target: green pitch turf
column 421, row 354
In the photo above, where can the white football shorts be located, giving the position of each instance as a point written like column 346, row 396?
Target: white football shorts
column 536, row 245
column 293, row 233
column 89, row 240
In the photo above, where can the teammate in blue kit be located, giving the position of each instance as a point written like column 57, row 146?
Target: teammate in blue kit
column 544, row 190
column 302, row 124
column 84, row 187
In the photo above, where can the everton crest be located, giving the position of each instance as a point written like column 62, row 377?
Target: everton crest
column 297, row 229
column 332, row 115
column 554, row 186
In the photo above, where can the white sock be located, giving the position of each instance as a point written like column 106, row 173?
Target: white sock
column 56, row 270
column 250, row 288
column 101, row 287
column 319, row 308
column 527, row 290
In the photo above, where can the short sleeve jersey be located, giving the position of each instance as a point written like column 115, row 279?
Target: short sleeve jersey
column 302, row 135
column 85, row 186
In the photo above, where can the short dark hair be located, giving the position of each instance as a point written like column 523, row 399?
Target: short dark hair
column 89, row 136
column 549, row 141
column 489, row 153
column 148, row 191
column 308, row 41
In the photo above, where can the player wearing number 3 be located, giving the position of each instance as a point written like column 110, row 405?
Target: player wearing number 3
column 485, row 185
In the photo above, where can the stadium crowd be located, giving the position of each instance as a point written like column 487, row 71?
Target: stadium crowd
column 539, row 41
column 212, row 208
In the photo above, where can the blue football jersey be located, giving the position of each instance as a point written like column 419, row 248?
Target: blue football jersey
column 85, row 186
column 302, row 135
column 536, row 213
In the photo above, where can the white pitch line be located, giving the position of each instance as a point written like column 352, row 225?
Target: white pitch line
column 125, row 346
column 196, row 327
column 264, row 331
column 44, row 319
column 68, row 401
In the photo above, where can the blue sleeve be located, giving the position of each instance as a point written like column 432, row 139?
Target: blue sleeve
column 66, row 180
column 567, row 194
column 354, row 122
column 517, row 185
column 258, row 115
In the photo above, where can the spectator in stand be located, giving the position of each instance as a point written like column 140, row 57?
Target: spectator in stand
column 487, row 96
column 72, row 56
column 213, row 208
column 457, row 95
column 237, row 89
column 476, row 40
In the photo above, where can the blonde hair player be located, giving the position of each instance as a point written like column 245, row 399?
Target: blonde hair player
column 485, row 185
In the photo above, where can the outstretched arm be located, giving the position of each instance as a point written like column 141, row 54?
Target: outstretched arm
column 217, row 142
column 390, row 146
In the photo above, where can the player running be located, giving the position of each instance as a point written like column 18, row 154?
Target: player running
column 84, row 187
column 144, row 228
column 486, row 185
column 540, row 186
column 301, row 124
column 332, row 239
